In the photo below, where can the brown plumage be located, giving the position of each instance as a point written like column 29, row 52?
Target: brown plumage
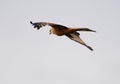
column 61, row 30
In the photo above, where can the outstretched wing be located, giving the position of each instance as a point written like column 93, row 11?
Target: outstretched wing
column 75, row 36
column 86, row 29
column 38, row 25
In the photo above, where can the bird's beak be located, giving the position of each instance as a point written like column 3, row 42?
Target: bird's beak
column 49, row 33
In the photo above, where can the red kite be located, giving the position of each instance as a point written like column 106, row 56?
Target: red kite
column 61, row 30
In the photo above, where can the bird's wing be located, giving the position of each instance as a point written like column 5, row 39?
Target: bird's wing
column 38, row 25
column 75, row 36
column 83, row 29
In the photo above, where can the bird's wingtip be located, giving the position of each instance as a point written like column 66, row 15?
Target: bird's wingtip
column 94, row 31
column 31, row 22
column 90, row 48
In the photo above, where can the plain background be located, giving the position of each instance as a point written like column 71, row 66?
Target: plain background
column 29, row 56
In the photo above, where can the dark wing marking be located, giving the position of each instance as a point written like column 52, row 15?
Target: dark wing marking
column 38, row 25
column 75, row 36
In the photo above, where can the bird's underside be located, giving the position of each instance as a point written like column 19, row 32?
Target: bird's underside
column 60, row 30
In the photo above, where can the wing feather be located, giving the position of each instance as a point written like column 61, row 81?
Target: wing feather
column 75, row 36
column 83, row 29
column 38, row 25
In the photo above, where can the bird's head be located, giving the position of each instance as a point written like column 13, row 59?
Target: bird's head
column 50, row 32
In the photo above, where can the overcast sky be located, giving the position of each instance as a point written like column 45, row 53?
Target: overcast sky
column 31, row 56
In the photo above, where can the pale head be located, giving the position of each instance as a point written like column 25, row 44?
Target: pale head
column 50, row 32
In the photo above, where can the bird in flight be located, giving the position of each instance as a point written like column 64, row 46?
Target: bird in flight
column 61, row 30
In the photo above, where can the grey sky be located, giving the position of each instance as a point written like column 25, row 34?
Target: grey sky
column 29, row 56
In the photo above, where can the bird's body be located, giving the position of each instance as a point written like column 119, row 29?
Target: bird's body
column 61, row 30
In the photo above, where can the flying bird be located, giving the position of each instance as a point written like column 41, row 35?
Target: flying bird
column 61, row 30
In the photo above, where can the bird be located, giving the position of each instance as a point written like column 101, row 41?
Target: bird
column 60, row 30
